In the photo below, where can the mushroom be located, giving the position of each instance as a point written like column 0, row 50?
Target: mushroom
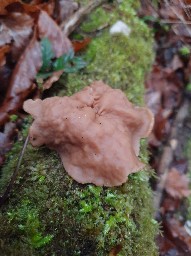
column 96, row 132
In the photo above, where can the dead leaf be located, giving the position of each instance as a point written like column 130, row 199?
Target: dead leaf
column 30, row 62
column 172, row 11
column 16, row 29
column 34, row 6
column 3, row 50
column 163, row 96
column 65, row 9
column 182, row 30
column 177, row 233
column 181, row 165
column 5, row 74
column 166, row 247
column 153, row 99
column 186, row 2
column 80, row 45
column 177, row 185
column 34, row 2
column 48, row 28
column 167, row 83
column 48, row 7
column 55, row 77
column 21, row 79
column 162, row 126
column 176, row 63
column 169, row 204
column 4, row 4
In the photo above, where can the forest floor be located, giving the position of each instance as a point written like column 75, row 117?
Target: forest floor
column 168, row 95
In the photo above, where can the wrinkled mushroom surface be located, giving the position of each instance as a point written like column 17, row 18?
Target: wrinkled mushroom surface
column 95, row 131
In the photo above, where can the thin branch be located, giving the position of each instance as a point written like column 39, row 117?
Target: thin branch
column 15, row 173
column 175, row 22
column 73, row 21
column 180, row 17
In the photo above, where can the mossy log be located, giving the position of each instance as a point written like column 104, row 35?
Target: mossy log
column 48, row 213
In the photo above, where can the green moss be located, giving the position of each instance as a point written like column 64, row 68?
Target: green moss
column 28, row 224
column 91, row 220
column 96, row 21
column 73, row 219
column 120, row 61
column 184, row 50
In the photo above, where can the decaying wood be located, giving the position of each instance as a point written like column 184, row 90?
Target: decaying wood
column 168, row 153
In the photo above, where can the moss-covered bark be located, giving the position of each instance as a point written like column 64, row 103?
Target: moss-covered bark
column 48, row 213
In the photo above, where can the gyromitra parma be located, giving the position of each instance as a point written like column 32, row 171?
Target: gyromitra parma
column 95, row 131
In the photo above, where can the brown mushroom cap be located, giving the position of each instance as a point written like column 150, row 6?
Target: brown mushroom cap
column 95, row 131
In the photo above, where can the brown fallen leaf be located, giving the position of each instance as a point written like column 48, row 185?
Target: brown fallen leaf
column 167, row 83
column 163, row 96
column 171, row 10
column 4, row 4
column 167, row 247
column 55, row 77
column 182, row 30
column 178, row 235
column 187, row 1
column 3, row 50
column 177, row 185
column 30, row 62
column 33, row 7
column 21, row 79
column 181, row 165
column 36, row 2
column 161, row 127
column 169, row 204
column 65, row 9
column 176, row 63
column 48, row 28
column 5, row 74
column 16, row 29
column 80, row 45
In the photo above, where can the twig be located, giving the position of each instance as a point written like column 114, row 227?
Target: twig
column 175, row 22
column 15, row 173
column 168, row 153
column 180, row 17
column 73, row 21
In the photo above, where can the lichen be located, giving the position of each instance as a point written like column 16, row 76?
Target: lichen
column 73, row 219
